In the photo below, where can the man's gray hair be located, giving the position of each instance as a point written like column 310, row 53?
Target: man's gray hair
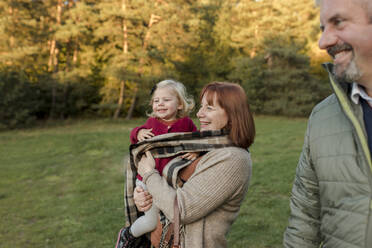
column 367, row 4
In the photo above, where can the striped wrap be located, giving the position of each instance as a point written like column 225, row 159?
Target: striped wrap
column 168, row 145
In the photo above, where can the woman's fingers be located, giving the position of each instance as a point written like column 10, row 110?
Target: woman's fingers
column 190, row 155
column 146, row 208
column 145, row 205
column 139, row 189
column 186, row 156
column 142, row 199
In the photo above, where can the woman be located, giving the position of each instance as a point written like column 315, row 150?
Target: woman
column 209, row 201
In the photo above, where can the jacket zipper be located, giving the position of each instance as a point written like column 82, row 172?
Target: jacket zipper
column 344, row 102
column 358, row 128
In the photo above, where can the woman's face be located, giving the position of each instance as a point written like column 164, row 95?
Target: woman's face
column 211, row 117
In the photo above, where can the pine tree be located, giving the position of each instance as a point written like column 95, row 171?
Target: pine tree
column 150, row 31
column 252, row 21
column 278, row 79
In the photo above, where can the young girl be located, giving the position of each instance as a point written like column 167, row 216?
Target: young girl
column 170, row 107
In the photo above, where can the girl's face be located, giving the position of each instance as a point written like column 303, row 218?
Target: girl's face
column 211, row 117
column 165, row 104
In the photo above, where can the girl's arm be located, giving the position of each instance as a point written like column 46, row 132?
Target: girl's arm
column 135, row 131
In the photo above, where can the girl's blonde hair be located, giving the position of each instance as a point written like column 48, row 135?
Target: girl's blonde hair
column 179, row 89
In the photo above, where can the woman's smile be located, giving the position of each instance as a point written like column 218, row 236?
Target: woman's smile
column 211, row 117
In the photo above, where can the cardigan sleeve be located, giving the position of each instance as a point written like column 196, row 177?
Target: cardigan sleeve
column 134, row 132
column 221, row 176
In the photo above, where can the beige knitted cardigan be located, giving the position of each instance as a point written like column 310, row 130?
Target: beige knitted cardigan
column 210, row 200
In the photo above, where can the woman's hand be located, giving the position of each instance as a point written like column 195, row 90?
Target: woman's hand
column 144, row 134
column 190, row 155
column 142, row 199
column 146, row 164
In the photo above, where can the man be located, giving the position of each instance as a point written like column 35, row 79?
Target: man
column 331, row 196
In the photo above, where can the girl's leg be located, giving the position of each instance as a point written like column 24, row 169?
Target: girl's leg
column 147, row 222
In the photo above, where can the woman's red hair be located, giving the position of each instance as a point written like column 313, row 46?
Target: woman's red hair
column 232, row 98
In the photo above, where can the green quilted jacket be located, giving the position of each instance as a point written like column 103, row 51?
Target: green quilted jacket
column 331, row 196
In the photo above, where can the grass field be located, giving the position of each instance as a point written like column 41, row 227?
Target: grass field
column 62, row 185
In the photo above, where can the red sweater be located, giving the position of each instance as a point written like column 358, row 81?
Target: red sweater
column 159, row 127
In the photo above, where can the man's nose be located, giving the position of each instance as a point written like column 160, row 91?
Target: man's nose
column 328, row 39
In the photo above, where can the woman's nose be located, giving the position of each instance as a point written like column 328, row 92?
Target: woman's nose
column 199, row 113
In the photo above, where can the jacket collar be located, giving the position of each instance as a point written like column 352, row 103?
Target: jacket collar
column 342, row 85
column 349, row 108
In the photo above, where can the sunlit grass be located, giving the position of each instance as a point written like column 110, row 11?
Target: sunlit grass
column 61, row 185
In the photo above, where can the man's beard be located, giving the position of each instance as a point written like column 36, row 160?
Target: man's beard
column 351, row 72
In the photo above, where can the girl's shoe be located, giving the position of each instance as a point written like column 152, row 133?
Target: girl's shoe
column 125, row 238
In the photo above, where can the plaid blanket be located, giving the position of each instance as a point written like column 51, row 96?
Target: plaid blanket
column 168, row 145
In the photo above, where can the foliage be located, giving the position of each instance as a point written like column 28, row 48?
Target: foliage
column 18, row 100
column 62, row 185
column 23, row 101
column 102, row 57
column 278, row 80
column 250, row 22
column 207, row 59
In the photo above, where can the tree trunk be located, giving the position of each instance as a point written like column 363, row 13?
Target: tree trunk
column 125, row 31
column 132, row 106
column 11, row 39
column 125, row 51
column 76, row 44
column 76, row 52
column 53, row 60
column 51, row 54
column 153, row 19
column 121, row 100
column 54, row 84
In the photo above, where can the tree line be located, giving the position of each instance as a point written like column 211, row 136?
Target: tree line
column 85, row 58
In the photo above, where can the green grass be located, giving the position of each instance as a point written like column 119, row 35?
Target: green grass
column 264, row 214
column 62, row 185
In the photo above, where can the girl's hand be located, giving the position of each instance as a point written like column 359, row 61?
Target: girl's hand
column 146, row 164
column 190, row 155
column 142, row 199
column 144, row 134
